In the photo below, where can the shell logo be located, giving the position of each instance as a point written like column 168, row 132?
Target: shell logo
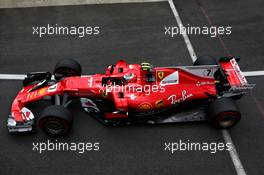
column 145, row 106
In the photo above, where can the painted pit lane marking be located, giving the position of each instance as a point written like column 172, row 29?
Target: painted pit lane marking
column 185, row 36
column 253, row 73
column 233, row 153
column 15, row 77
column 45, row 3
column 211, row 24
column 12, row 77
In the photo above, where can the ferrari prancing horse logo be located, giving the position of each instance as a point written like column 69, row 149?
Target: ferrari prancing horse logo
column 160, row 74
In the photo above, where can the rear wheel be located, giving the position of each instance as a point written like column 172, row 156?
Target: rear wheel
column 223, row 113
column 205, row 60
column 67, row 68
column 55, row 120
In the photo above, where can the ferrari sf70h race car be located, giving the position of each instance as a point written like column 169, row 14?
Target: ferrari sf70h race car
column 132, row 93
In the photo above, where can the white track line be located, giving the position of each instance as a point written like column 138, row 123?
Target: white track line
column 233, row 153
column 43, row 3
column 185, row 36
column 253, row 73
column 12, row 76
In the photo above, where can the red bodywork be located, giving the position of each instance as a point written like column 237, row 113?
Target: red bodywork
column 169, row 86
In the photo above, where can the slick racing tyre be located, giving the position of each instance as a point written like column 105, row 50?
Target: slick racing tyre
column 55, row 120
column 67, row 68
column 205, row 60
column 223, row 113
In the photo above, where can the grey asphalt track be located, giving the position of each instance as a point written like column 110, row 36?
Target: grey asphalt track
column 134, row 32
column 245, row 42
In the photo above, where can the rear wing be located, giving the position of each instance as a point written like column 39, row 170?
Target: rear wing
column 234, row 76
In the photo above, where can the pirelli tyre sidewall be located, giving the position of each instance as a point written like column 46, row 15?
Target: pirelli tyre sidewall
column 55, row 120
column 223, row 113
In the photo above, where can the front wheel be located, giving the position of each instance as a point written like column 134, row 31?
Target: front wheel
column 223, row 113
column 55, row 120
column 67, row 68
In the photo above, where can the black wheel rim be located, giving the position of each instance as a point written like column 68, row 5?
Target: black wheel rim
column 227, row 121
column 54, row 127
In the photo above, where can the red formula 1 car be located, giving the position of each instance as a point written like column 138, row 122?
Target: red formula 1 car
column 131, row 93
